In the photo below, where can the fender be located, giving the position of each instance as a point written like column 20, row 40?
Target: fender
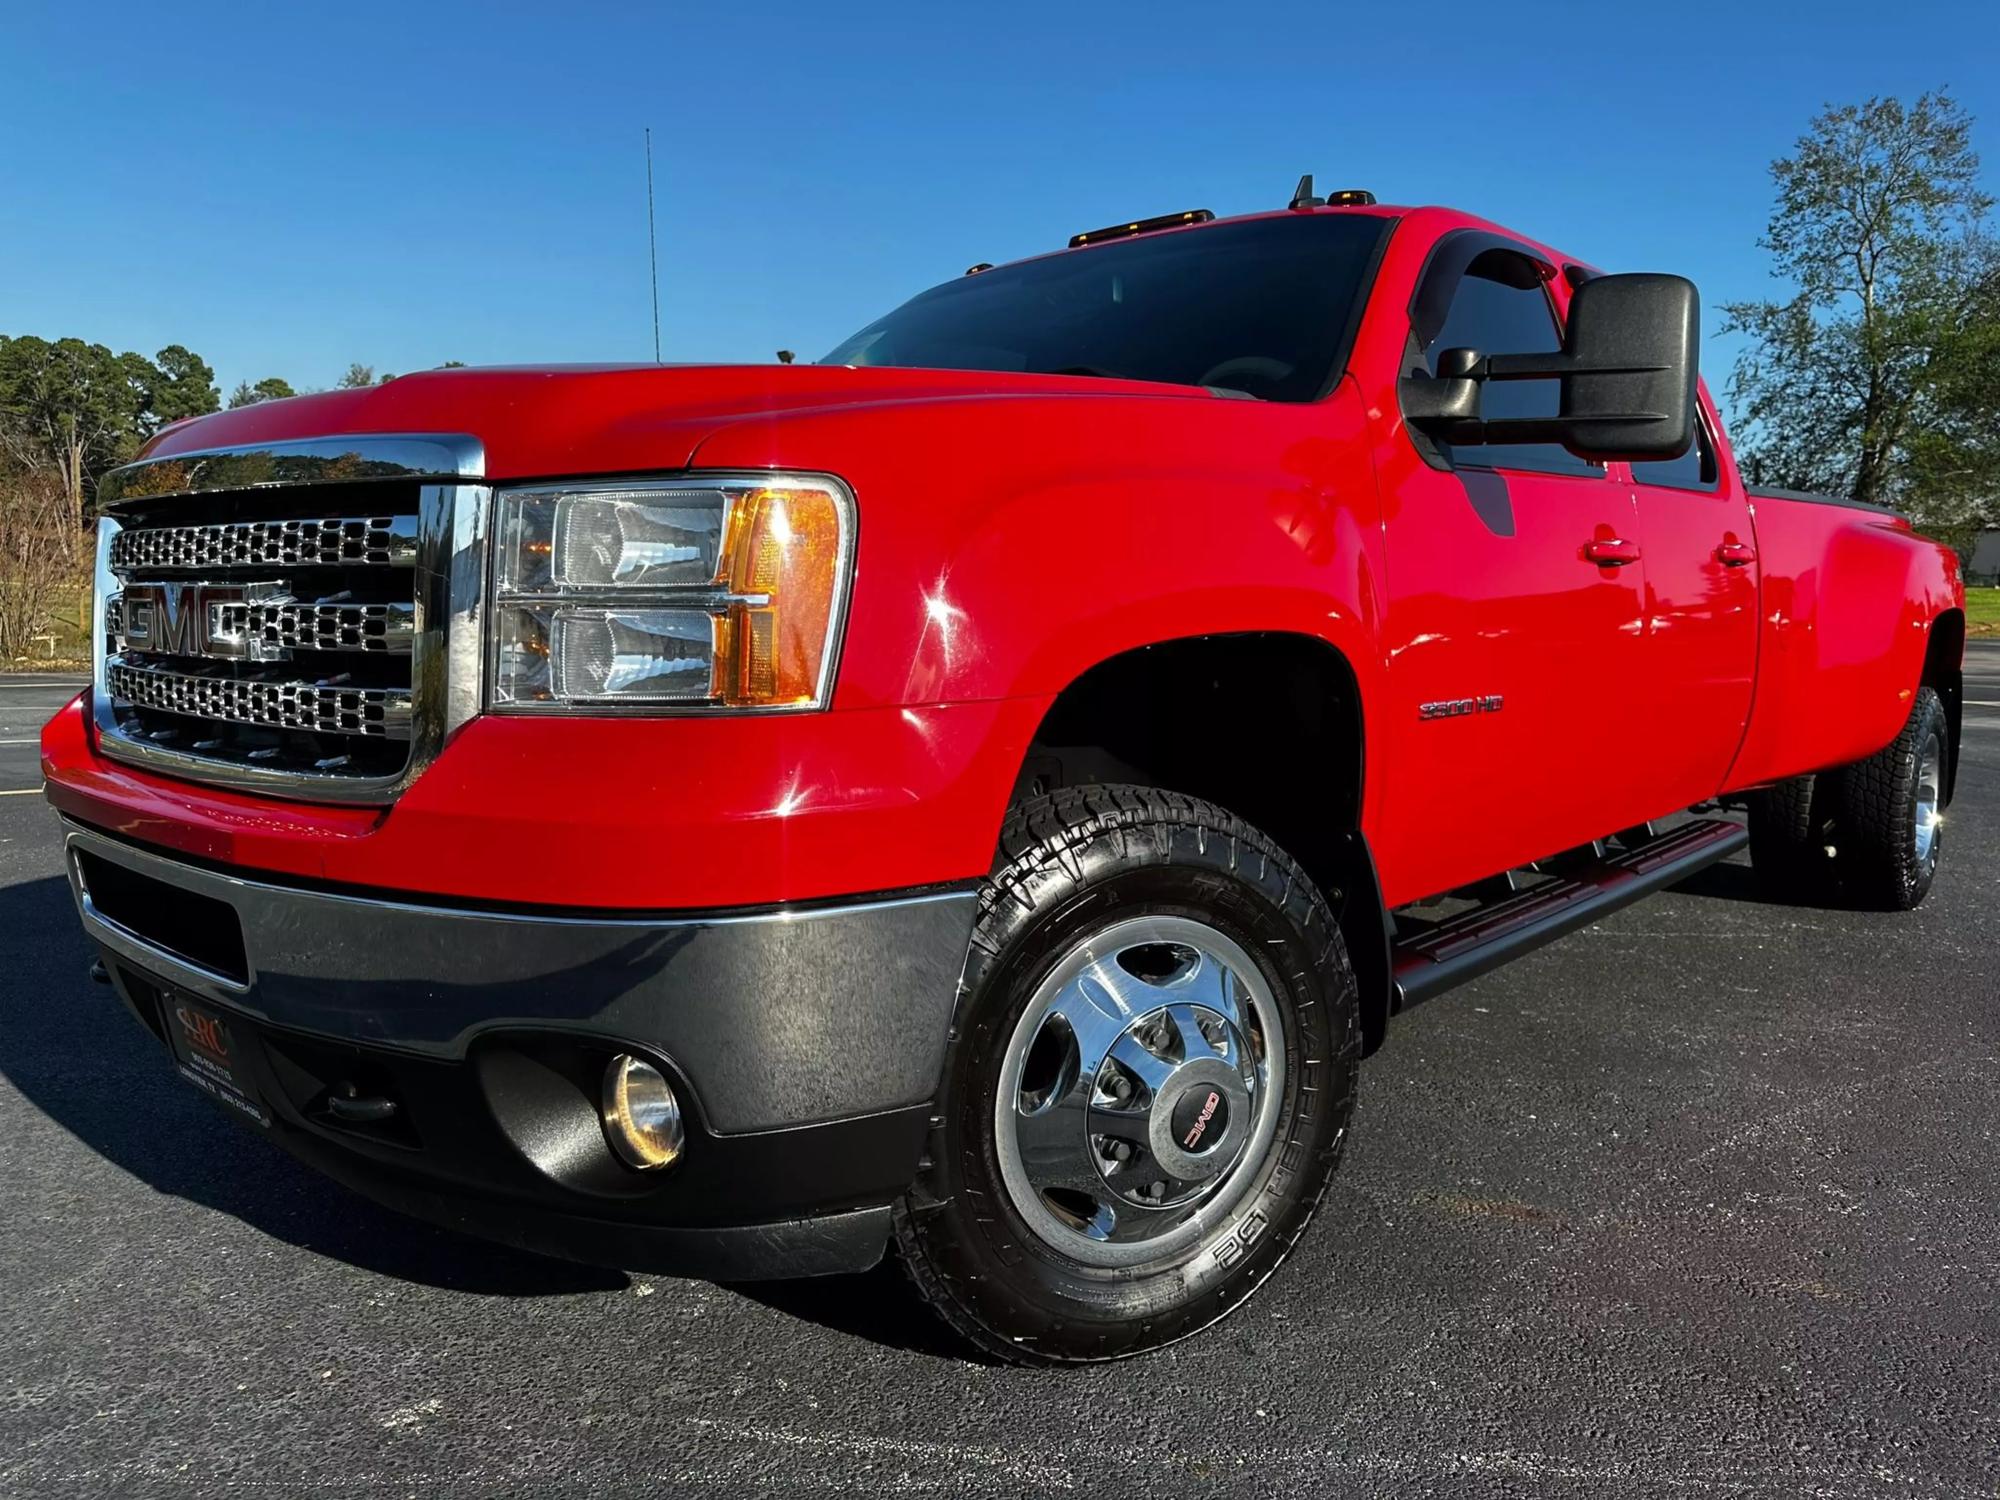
column 1849, row 598
column 989, row 568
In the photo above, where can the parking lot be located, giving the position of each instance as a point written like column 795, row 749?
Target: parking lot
column 1703, row 1200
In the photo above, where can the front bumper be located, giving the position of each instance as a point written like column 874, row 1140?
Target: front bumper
column 806, row 1044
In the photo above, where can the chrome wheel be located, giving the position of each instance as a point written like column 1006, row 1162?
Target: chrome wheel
column 1930, row 796
column 1139, row 1091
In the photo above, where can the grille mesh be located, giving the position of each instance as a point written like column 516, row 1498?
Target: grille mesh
column 321, row 627
column 353, row 541
column 325, row 709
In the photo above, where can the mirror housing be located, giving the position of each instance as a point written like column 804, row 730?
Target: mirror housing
column 1628, row 366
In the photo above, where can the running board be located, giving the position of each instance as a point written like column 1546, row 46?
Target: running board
column 1448, row 953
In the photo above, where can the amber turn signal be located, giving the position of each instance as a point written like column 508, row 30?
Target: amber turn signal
column 784, row 563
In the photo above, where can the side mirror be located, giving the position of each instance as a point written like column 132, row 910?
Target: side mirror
column 1628, row 367
column 1634, row 344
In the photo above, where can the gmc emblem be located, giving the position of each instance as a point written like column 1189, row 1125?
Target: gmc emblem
column 187, row 619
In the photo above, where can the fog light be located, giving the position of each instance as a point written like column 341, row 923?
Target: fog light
column 642, row 1118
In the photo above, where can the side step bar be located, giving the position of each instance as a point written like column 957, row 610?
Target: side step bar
column 1448, row 953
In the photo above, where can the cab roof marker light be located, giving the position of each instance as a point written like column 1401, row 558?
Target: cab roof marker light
column 1303, row 199
column 1141, row 226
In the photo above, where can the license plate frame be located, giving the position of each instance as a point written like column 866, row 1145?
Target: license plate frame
column 207, row 1049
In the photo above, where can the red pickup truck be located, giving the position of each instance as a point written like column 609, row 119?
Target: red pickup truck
column 985, row 791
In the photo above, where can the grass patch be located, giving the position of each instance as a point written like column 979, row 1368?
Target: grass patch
column 65, row 644
column 1982, row 611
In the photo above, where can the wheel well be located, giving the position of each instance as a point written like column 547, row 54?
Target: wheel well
column 1268, row 725
column 1944, row 671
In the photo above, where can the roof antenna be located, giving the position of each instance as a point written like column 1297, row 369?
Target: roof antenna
column 1302, row 195
column 652, row 245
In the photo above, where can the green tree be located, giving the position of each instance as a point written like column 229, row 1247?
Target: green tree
column 357, row 377
column 183, row 387
column 77, row 408
column 270, row 388
column 1954, row 457
column 1873, row 379
column 73, row 407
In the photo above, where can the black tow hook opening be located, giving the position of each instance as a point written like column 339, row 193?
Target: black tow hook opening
column 350, row 1106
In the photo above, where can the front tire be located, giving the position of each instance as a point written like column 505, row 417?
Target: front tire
column 1149, row 1084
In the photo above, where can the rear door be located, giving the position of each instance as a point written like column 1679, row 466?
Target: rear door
column 1514, row 618
column 1700, row 572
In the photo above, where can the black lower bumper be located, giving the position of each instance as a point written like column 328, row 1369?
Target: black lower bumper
column 805, row 1047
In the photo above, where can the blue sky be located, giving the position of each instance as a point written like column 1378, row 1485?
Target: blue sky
column 286, row 188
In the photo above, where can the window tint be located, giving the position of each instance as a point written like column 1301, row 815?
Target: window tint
column 1695, row 469
column 1261, row 307
column 1500, row 307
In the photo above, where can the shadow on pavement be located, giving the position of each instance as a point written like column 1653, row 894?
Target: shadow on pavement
column 1730, row 881
column 74, row 1052
column 879, row 1305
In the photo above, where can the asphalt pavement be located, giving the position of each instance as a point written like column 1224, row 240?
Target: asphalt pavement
column 1704, row 1200
column 26, row 701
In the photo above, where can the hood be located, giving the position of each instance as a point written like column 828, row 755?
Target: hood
column 554, row 421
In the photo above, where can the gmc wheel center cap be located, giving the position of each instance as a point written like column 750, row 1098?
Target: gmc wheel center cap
column 1200, row 1119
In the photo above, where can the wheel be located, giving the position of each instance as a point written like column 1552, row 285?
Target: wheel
column 1149, row 1083
column 1790, row 832
column 1888, row 823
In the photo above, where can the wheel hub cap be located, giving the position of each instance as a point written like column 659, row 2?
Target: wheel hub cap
column 1141, row 1077
column 1930, row 797
column 1200, row 1120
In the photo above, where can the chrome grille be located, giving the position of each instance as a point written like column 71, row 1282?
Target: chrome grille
column 317, row 707
column 300, row 619
column 372, row 541
column 277, row 628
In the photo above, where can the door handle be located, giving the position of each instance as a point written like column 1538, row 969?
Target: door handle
column 1735, row 554
column 1610, row 552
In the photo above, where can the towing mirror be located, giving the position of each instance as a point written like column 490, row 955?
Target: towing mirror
column 1627, row 366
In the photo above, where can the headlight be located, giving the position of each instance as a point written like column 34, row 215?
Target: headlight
column 707, row 593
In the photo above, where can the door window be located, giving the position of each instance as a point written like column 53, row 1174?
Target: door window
column 1695, row 469
column 1501, row 306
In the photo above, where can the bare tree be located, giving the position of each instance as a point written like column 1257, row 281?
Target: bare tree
column 42, row 556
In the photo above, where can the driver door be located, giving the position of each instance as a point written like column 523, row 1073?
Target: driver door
column 1514, row 616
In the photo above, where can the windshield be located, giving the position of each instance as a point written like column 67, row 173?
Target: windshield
column 1261, row 307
